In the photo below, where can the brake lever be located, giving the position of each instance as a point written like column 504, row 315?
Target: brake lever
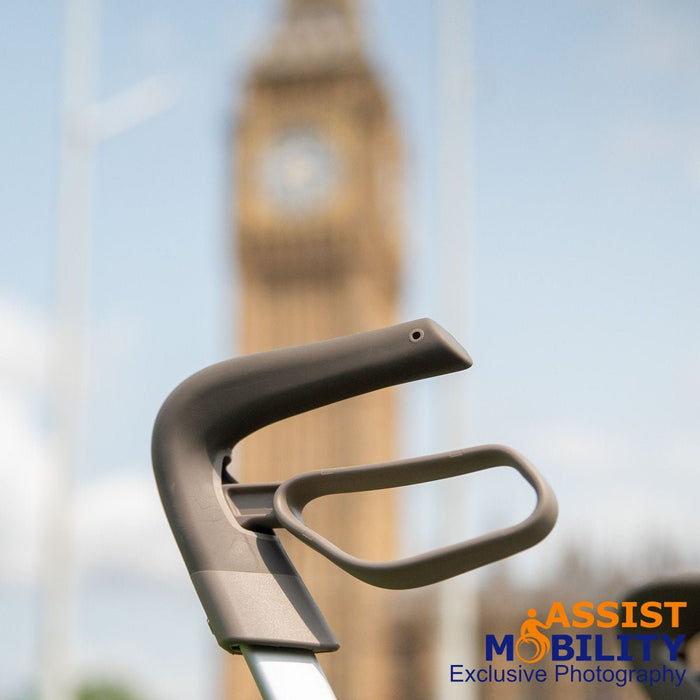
column 420, row 570
column 248, row 587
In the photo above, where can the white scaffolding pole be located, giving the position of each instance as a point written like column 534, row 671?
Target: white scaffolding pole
column 72, row 255
column 84, row 124
column 457, row 614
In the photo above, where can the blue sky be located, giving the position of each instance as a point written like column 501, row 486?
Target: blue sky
column 582, row 290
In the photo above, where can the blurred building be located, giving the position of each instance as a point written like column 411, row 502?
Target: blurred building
column 503, row 602
column 503, row 605
column 317, row 242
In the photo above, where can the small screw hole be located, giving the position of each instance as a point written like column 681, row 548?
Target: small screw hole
column 416, row 335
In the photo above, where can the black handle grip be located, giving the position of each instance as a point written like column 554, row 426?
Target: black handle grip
column 233, row 568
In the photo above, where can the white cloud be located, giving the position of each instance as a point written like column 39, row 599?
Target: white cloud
column 111, row 342
column 580, row 453
column 121, row 528
column 618, row 496
column 118, row 520
column 23, row 349
column 24, row 454
column 23, row 458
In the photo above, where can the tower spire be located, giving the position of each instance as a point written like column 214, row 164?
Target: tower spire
column 314, row 37
column 317, row 231
column 346, row 7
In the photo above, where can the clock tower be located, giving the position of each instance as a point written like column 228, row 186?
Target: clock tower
column 316, row 235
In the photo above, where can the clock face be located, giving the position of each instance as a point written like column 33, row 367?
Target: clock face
column 298, row 170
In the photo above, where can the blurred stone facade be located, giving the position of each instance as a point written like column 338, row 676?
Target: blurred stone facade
column 317, row 241
column 503, row 603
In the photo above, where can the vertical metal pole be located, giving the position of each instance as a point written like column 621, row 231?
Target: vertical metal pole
column 287, row 674
column 74, row 223
column 457, row 613
column 84, row 124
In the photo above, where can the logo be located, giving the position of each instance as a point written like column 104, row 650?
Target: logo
column 578, row 644
column 532, row 640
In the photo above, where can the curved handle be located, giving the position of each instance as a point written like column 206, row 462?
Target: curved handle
column 295, row 493
column 217, row 407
